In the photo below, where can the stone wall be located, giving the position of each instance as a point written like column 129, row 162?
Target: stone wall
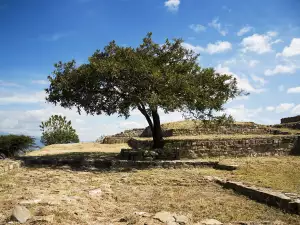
column 122, row 137
column 233, row 129
column 262, row 146
column 290, row 119
column 115, row 140
column 294, row 125
column 130, row 133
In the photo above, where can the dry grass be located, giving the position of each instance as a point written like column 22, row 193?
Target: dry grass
column 280, row 173
column 65, row 194
column 78, row 148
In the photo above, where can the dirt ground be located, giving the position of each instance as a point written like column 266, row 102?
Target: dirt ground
column 80, row 197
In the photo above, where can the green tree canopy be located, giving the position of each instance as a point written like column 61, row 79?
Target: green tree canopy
column 57, row 130
column 149, row 77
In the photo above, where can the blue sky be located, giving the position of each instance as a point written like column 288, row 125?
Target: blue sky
column 256, row 41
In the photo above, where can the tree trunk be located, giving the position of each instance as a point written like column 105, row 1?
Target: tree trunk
column 158, row 141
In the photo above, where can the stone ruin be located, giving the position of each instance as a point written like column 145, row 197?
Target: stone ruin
column 237, row 128
column 294, row 119
column 289, row 122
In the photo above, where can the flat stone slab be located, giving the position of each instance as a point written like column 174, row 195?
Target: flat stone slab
column 288, row 202
column 21, row 214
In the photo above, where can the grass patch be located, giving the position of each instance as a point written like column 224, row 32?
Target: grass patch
column 77, row 149
column 280, row 173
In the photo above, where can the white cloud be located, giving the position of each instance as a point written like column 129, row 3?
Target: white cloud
column 281, row 88
column 270, row 108
column 239, row 98
column 125, row 125
column 218, row 26
column 244, row 30
column 195, row 48
column 289, row 69
column 243, row 83
column 293, row 90
column 22, row 98
column 230, row 62
column 296, row 110
column 39, row 81
column 218, row 47
column 172, row 5
column 259, row 43
column 283, row 107
column 8, row 84
column 241, row 113
column 272, row 33
column 259, row 80
column 197, row 27
column 292, row 50
column 253, row 63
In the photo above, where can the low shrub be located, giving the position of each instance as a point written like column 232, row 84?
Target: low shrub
column 11, row 145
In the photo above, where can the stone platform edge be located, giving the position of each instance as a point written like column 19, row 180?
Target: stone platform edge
column 287, row 202
column 112, row 164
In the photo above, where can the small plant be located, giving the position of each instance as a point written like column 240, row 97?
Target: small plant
column 11, row 145
column 57, row 130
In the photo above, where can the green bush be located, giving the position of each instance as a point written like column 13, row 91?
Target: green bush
column 11, row 145
column 57, row 130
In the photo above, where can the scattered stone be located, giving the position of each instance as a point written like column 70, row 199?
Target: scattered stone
column 165, row 217
column 21, row 214
column 181, row 219
column 209, row 222
column 209, row 178
column 278, row 222
column 95, row 192
column 30, row 202
column 142, row 214
column 171, row 223
column 192, row 154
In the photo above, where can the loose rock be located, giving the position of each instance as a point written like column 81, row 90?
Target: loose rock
column 209, row 222
column 21, row 214
column 181, row 219
column 142, row 214
column 94, row 192
column 165, row 217
column 30, row 202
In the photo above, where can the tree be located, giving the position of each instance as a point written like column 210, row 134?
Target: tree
column 11, row 145
column 149, row 77
column 57, row 130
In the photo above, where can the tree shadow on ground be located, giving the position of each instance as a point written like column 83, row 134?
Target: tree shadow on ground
column 73, row 160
